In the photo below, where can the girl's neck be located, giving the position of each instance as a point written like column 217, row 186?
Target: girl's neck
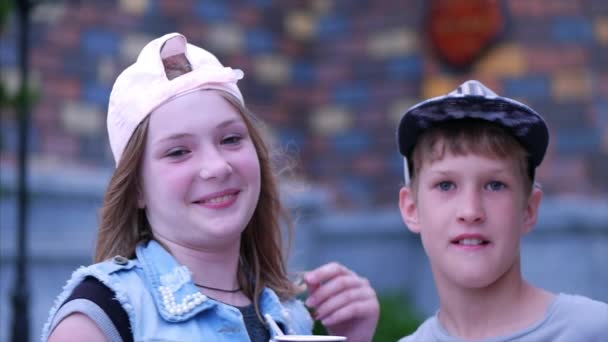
column 508, row 305
column 212, row 267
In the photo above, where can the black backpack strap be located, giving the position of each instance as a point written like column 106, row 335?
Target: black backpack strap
column 94, row 290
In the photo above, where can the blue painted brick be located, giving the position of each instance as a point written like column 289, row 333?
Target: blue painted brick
column 601, row 107
column 352, row 94
column 212, row 11
column 260, row 3
column 291, row 139
column 101, row 42
column 96, row 93
column 404, row 67
column 572, row 30
column 8, row 52
column 153, row 8
column 260, row 41
column 303, row 73
column 581, row 140
column 9, row 136
column 357, row 189
column 90, row 145
column 528, row 87
column 331, row 27
column 262, row 92
column 351, row 143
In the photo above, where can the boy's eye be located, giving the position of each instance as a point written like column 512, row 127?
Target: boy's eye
column 495, row 186
column 231, row 140
column 445, row 185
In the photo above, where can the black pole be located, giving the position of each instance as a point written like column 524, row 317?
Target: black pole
column 20, row 328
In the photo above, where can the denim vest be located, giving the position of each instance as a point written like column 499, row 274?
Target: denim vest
column 163, row 304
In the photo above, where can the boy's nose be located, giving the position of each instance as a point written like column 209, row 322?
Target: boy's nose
column 470, row 209
column 214, row 165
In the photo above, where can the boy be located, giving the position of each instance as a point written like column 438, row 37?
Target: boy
column 470, row 158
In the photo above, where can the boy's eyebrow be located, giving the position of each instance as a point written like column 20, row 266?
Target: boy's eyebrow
column 447, row 172
column 442, row 172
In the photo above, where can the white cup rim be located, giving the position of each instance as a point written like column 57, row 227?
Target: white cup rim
column 309, row 338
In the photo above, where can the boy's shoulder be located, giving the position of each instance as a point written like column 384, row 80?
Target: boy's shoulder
column 582, row 311
column 574, row 318
column 571, row 317
column 425, row 332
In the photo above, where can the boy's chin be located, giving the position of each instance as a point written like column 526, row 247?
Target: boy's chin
column 472, row 281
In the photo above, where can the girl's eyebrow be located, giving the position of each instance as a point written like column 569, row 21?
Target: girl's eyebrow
column 230, row 122
column 173, row 137
column 187, row 135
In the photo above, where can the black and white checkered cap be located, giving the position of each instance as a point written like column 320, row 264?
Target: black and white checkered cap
column 472, row 99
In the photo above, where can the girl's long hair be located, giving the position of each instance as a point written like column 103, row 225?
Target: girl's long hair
column 262, row 260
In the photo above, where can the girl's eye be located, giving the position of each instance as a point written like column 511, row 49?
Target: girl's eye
column 446, row 185
column 495, row 186
column 177, row 152
column 232, row 140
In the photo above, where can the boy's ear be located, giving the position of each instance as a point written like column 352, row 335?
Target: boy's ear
column 409, row 211
column 532, row 209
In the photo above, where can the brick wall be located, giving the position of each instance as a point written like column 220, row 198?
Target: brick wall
column 331, row 78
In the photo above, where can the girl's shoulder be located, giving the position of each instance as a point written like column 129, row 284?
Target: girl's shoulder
column 105, row 272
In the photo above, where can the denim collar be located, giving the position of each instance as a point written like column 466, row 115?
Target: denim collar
column 176, row 296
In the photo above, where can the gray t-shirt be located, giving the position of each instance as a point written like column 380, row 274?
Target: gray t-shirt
column 569, row 318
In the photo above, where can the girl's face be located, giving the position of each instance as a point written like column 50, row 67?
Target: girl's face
column 201, row 173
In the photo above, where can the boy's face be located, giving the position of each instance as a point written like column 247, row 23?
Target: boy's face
column 471, row 211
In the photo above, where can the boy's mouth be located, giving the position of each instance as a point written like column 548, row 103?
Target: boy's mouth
column 470, row 240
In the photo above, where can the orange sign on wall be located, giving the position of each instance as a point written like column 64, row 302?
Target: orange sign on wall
column 461, row 30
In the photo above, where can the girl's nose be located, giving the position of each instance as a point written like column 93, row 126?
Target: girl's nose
column 215, row 166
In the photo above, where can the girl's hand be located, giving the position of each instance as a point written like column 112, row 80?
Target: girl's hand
column 343, row 301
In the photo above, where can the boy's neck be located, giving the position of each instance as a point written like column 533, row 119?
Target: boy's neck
column 505, row 307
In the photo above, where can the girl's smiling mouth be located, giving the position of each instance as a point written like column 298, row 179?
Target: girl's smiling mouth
column 218, row 200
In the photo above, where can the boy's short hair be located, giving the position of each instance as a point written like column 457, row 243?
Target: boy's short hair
column 460, row 137
column 473, row 100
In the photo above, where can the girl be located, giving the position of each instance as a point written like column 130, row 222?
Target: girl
column 189, row 246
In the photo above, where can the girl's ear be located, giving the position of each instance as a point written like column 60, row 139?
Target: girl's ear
column 408, row 208
column 141, row 204
column 532, row 209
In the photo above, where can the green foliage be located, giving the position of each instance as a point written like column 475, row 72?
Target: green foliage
column 4, row 99
column 398, row 318
column 28, row 96
column 319, row 329
column 5, row 8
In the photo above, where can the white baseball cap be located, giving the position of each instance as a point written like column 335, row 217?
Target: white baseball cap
column 143, row 86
